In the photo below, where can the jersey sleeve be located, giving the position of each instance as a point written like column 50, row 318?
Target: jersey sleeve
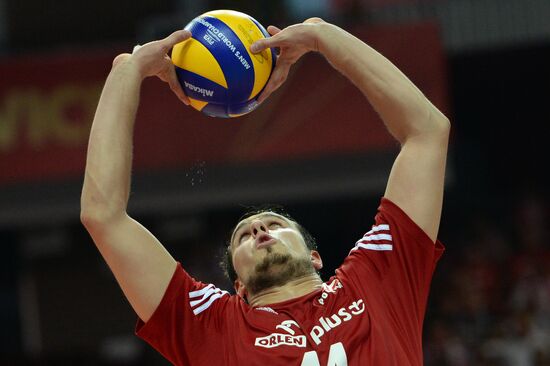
column 187, row 320
column 391, row 266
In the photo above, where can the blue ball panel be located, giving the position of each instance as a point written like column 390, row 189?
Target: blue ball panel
column 240, row 80
column 242, row 108
column 215, row 110
column 227, row 111
column 200, row 88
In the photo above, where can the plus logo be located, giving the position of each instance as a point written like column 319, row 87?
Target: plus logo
column 343, row 315
column 286, row 337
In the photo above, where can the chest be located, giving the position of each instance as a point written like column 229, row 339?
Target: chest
column 323, row 329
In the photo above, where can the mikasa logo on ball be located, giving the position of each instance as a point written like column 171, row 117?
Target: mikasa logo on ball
column 204, row 92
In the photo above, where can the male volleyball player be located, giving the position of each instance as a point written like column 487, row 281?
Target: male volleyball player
column 369, row 313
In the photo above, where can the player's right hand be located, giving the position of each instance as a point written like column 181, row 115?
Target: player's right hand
column 293, row 42
column 151, row 59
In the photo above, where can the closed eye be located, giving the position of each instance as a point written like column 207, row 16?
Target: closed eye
column 243, row 236
column 274, row 225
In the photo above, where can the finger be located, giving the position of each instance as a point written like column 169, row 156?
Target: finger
column 275, row 81
column 176, row 88
column 174, row 84
column 175, row 38
column 273, row 30
column 274, row 41
column 168, row 75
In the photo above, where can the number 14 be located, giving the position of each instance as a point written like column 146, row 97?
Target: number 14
column 336, row 356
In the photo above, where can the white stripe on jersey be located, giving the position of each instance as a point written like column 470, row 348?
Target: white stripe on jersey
column 200, row 292
column 372, row 241
column 207, row 304
column 207, row 296
column 376, row 237
column 378, row 228
column 375, row 246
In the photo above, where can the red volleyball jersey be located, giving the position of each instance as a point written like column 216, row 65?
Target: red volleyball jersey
column 369, row 313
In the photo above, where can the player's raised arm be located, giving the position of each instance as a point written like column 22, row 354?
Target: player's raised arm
column 416, row 180
column 141, row 265
column 417, row 176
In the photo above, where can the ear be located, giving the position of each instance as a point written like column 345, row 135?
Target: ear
column 240, row 289
column 316, row 260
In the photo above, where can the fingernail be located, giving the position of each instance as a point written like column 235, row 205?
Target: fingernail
column 255, row 47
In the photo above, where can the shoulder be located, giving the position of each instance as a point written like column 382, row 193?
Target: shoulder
column 400, row 226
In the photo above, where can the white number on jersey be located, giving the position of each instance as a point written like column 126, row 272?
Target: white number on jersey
column 336, row 356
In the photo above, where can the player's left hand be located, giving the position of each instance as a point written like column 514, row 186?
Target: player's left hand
column 151, row 59
column 293, row 42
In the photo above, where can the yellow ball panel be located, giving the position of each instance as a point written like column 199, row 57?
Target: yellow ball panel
column 197, row 104
column 192, row 56
column 248, row 33
column 236, row 115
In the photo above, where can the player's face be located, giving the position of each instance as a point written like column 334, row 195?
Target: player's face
column 269, row 250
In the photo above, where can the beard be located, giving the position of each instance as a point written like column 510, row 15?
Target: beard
column 277, row 269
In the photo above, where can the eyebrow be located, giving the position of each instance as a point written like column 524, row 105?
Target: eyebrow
column 246, row 221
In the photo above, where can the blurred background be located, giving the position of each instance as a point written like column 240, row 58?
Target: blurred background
column 316, row 147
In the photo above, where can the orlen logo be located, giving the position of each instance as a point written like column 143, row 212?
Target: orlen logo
column 345, row 314
column 204, row 92
column 279, row 339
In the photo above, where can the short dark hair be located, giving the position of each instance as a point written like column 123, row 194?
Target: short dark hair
column 227, row 259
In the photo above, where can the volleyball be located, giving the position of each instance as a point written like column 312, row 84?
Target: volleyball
column 215, row 67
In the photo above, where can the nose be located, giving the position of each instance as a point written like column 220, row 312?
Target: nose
column 257, row 227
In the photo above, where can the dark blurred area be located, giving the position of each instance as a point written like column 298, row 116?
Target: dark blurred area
column 490, row 298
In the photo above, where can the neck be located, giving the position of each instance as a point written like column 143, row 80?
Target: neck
column 290, row 290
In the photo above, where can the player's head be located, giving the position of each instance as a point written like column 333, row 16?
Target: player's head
column 268, row 248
